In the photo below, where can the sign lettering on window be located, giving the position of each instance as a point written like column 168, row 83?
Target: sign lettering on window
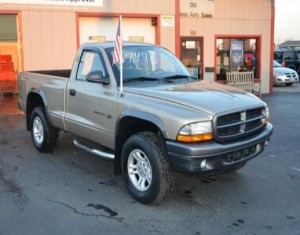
column 236, row 53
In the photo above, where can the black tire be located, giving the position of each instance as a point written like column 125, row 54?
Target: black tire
column 44, row 136
column 152, row 168
column 289, row 84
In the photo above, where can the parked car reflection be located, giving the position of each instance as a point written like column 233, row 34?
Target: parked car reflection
column 284, row 76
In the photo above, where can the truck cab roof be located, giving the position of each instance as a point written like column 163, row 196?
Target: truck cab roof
column 110, row 44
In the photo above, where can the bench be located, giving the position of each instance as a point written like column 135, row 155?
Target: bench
column 245, row 81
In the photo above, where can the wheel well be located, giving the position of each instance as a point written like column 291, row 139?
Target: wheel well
column 126, row 128
column 33, row 100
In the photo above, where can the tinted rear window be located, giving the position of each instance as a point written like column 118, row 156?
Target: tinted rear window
column 277, row 55
column 288, row 55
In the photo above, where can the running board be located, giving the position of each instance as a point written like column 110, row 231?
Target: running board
column 97, row 152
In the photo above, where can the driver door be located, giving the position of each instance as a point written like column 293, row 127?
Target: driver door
column 90, row 106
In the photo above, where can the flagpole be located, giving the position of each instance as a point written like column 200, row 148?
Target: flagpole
column 121, row 57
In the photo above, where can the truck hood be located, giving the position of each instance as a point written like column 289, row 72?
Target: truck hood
column 209, row 97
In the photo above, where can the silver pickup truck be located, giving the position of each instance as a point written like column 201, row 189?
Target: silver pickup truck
column 155, row 121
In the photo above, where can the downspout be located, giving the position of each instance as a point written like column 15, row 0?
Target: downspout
column 272, row 45
column 177, row 28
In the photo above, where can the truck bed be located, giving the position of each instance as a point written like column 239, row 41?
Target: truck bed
column 59, row 73
column 48, row 82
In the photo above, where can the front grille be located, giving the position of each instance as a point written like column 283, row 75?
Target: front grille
column 288, row 75
column 238, row 155
column 291, row 75
column 239, row 124
column 229, row 118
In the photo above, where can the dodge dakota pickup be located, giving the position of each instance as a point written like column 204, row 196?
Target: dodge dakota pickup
column 152, row 122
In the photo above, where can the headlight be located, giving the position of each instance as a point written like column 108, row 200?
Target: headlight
column 266, row 113
column 196, row 132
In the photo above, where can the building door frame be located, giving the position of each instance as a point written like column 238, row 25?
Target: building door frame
column 155, row 21
column 191, row 54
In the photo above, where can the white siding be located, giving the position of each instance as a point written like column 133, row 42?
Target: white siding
column 46, row 42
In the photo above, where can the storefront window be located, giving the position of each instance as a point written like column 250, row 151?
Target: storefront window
column 236, row 54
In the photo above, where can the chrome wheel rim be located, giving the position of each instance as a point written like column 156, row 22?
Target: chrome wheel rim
column 38, row 130
column 139, row 170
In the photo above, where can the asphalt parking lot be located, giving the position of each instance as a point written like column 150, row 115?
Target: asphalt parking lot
column 73, row 192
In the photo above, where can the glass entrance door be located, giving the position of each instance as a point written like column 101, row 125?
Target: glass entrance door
column 192, row 54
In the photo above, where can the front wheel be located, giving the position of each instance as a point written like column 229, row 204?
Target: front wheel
column 44, row 136
column 146, row 169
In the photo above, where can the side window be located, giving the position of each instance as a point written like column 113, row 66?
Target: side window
column 89, row 61
column 288, row 55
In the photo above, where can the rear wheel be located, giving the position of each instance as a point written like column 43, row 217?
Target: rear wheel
column 44, row 136
column 145, row 168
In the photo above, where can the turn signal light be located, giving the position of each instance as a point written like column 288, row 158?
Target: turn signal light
column 195, row 138
column 266, row 112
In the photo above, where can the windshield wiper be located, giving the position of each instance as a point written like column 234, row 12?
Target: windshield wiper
column 141, row 79
column 161, row 79
column 179, row 76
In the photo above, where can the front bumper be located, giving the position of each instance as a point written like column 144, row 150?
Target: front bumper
column 212, row 157
column 282, row 80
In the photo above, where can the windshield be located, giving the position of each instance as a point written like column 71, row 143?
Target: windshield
column 276, row 64
column 149, row 64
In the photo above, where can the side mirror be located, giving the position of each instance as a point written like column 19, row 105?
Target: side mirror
column 97, row 77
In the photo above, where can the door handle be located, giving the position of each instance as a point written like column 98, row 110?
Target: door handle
column 72, row 92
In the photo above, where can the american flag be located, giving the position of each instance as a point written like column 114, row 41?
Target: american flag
column 118, row 45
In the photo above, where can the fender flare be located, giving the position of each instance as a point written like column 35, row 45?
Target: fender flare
column 143, row 116
column 42, row 95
